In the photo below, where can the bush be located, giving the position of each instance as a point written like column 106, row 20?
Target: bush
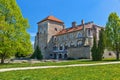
column 37, row 54
column 98, row 49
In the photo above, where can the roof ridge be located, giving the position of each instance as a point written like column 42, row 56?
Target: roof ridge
column 52, row 18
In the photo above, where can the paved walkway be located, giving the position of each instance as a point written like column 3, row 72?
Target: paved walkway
column 41, row 67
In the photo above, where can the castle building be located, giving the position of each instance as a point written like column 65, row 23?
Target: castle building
column 58, row 42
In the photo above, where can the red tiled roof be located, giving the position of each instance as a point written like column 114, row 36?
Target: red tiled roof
column 72, row 29
column 52, row 18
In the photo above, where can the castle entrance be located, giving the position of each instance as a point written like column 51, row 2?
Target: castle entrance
column 65, row 56
column 60, row 56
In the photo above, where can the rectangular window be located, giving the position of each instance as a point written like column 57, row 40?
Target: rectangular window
column 89, row 32
column 61, row 48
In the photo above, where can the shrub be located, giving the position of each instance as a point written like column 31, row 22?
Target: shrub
column 37, row 54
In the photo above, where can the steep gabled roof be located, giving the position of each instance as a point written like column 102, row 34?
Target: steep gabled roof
column 51, row 18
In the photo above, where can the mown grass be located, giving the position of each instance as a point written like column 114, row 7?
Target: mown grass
column 104, row 72
column 50, row 63
column 68, row 62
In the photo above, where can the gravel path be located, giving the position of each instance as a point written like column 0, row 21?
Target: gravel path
column 41, row 67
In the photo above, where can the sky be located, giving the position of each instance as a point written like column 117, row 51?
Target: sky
column 67, row 11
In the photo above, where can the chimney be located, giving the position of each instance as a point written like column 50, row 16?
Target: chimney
column 82, row 21
column 74, row 24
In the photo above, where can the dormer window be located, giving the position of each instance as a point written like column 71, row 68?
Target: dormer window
column 89, row 32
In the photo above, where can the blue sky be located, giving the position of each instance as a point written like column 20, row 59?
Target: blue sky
column 67, row 11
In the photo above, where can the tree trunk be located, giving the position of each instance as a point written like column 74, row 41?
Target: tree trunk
column 2, row 60
column 117, row 56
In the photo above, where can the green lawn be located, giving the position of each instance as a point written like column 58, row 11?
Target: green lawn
column 12, row 65
column 104, row 72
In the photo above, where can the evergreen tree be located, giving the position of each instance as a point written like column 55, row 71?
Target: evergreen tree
column 101, row 45
column 113, row 34
column 13, row 35
column 37, row 54
column 94, row 50
column 98, row 49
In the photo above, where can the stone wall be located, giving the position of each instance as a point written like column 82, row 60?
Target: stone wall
column 109, row 54
column 79, row 52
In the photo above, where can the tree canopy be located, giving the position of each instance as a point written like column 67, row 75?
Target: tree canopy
column 113, row 33
column 13, row 35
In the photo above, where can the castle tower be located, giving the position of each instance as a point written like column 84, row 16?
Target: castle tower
column 46, row 29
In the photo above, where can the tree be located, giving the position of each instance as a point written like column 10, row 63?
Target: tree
column 101, row 45
column 98, row 49
column 94, row 50
column 13, row 35
column 37, row 54
column 113, row 33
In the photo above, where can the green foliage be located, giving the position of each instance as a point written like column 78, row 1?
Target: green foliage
column 19, row 55
column 94, row 50
column 98, row 49
column 37, row 54
column 13, row 35
column 101, row 45
column 113, row 33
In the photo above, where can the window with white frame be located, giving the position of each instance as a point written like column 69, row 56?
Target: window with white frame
column 89, row 32
column 72, row 44
column 79, row 35
column 79, row 43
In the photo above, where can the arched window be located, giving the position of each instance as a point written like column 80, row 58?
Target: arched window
column 65, row 56
column 72, row 44
column 79, row 35
column 89, row 32
column 79, row 43
column 60, row 56
column 61, row 47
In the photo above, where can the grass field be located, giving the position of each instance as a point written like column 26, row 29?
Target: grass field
column 68, row 62
column 104, row 72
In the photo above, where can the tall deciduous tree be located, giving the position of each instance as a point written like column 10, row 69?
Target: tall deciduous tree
column 13, row 35
column 113, row 33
